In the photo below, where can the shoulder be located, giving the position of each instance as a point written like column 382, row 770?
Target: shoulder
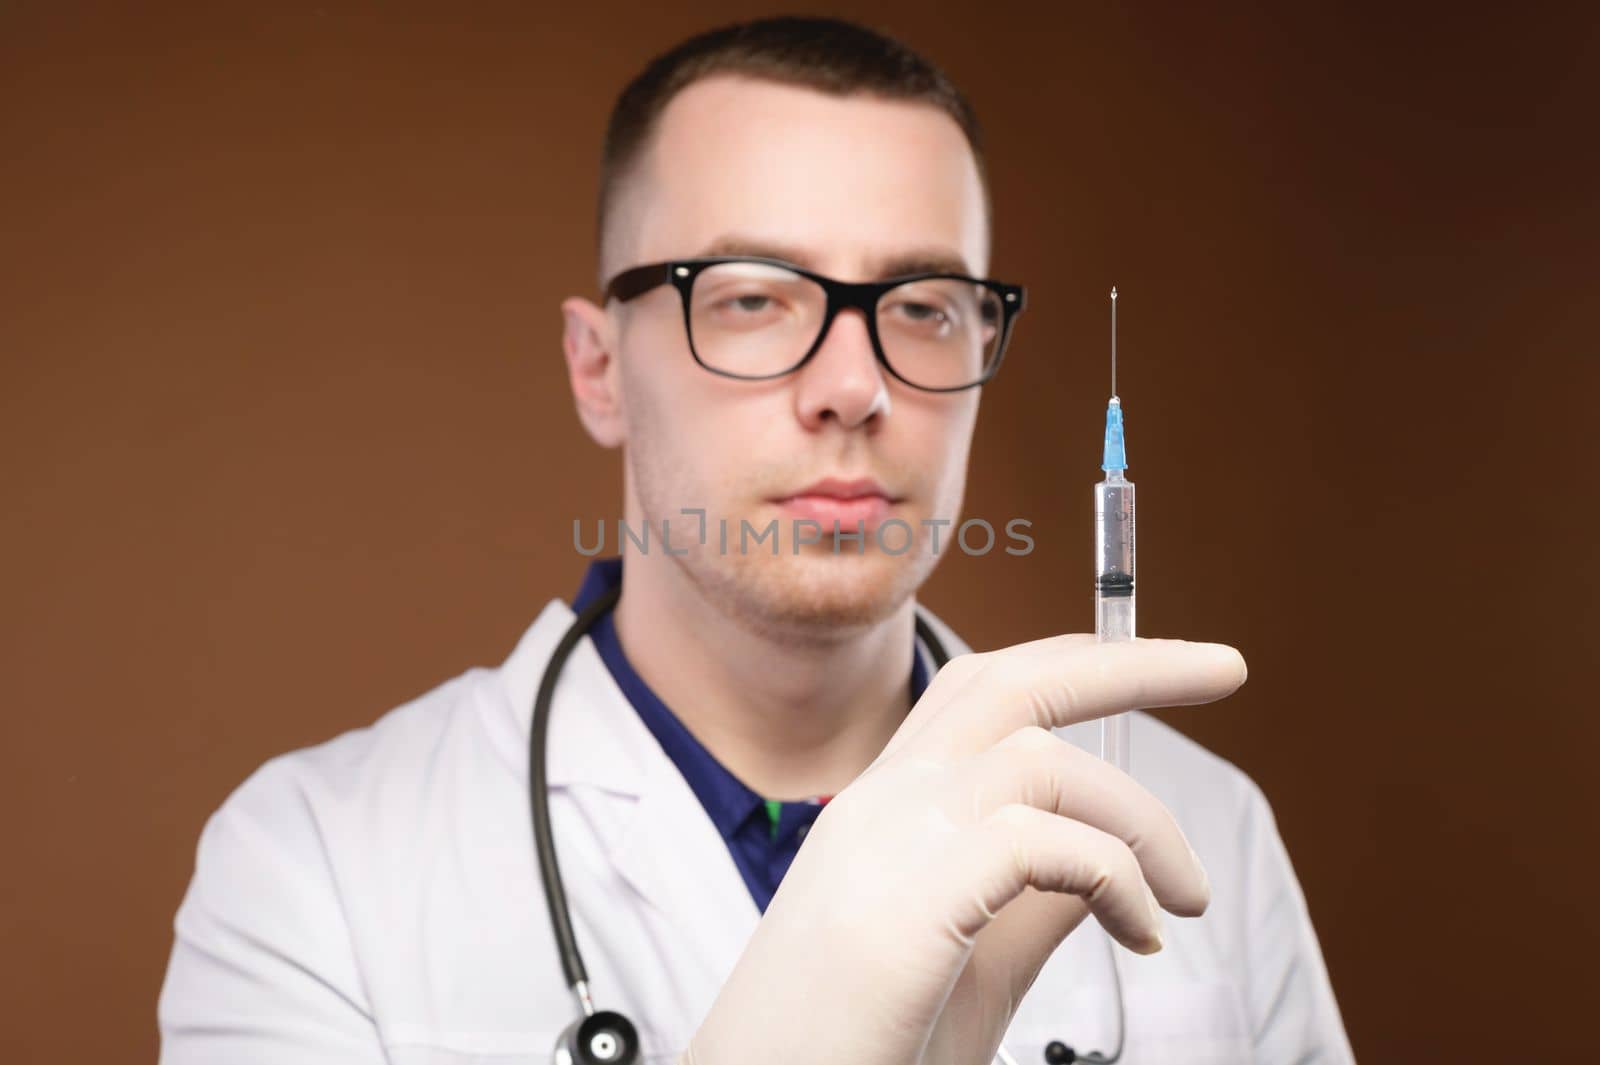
column 299, row 807
column 362, row 810
column 293, row 874
column 373, row 793
column 294, row 869
column 406, row 738
column 468, row 725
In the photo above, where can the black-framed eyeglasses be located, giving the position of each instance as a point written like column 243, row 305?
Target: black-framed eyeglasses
column 755, row 318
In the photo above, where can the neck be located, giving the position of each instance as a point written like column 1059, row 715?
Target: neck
column 790, row 718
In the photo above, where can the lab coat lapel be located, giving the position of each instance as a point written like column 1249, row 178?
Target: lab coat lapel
column 665, row 846
column 674, row 856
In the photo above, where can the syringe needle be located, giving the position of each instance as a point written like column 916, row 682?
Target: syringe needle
column 1113, row 340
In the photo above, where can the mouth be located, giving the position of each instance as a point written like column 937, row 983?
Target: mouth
column 852, row 502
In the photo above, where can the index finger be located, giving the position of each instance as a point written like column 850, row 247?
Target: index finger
column 1062, row 680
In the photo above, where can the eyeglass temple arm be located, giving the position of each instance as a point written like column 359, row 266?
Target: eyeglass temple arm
column 633, row 283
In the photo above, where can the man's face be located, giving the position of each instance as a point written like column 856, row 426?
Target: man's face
column 856, row 188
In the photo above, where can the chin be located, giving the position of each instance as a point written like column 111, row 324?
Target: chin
column 816, row 590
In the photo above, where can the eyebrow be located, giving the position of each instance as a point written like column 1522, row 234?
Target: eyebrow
column 930, row 260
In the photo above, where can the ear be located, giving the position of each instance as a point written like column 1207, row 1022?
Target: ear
column 592, row 370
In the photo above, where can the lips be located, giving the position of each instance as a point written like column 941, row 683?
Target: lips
column 850, row 502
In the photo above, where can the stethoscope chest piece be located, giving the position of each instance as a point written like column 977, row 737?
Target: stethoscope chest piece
column 602, row 1038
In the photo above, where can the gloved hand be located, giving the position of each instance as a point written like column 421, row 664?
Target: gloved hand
column 931, row 891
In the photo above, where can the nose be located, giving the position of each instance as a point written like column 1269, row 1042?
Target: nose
column 842, row 380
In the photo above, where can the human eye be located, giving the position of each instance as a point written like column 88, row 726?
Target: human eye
column 745, row 306
column 926, row 311
column 746, row 295
column 923, row 312
column 749, row 302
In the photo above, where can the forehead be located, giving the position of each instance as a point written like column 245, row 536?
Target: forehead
column 850, row 183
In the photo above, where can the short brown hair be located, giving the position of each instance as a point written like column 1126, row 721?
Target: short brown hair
column 826, row 54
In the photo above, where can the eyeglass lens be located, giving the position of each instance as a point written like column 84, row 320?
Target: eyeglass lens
column 758, row 320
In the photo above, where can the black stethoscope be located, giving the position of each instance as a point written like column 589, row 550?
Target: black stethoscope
column 604, row 1037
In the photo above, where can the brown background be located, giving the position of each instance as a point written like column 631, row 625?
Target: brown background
column 286, row 439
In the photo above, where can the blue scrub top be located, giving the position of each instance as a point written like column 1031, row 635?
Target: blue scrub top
column 762, row 835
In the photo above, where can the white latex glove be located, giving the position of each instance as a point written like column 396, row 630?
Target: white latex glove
column 930, row 892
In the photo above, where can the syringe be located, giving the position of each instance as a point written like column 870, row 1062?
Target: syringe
column 1113, row 534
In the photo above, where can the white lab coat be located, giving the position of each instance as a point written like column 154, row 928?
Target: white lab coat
column 377, row 899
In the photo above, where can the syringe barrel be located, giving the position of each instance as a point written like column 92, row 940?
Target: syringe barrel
column 1114, row 599
column 1113, row 539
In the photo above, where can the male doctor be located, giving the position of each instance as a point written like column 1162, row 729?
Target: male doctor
column 783, row 838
